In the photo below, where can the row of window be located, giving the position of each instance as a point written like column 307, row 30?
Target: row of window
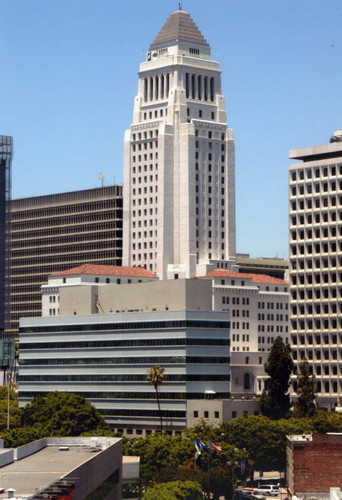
column 139, row 158
column 318, row 172
column 87, row 344
column 236, row 325
column 317, row 233
column 121, row 378
column 308, row 293
column 317, row 324
column 128, row 360
column 316, row 248
column 315, row 218
column 272, row 317
column 236, row 337
column 53, row 234
column 324, row 262
column 67, row 210
column 156, row 87
column 199, row 87
column 323, row 187
column 316, row 308
column 318, row 338
column 133, row 395
column 320, row 202
column 270, row 328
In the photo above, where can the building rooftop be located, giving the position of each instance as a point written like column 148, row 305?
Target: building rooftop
column 97, row 269
column 41, row 468
column 262, row 261
column 179, row 26
column 256, row 278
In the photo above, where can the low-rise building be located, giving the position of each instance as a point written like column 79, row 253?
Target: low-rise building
column 63, row 467
column 314, row 464
column 89, row 274
column 105, row 357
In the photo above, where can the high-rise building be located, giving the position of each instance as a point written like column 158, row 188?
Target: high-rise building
column 6, row 153
column 316, row 262
column 55, row 232
column 179, row 187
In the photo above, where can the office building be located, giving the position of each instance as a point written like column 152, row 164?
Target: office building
column 104, row 356
column 6, row 154
column 56, row 232
column 276, row 267
column 315, row 263
column 258, row 309
column 179, row 186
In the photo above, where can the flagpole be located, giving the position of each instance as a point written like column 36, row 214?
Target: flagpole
column 8, row 401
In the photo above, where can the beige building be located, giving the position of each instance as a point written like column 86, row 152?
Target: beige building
column 256, row 305
column 179, row 185
column 89, row 274
column 315, row 262
column 56, row 232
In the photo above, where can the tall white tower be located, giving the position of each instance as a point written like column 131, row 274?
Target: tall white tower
column 179, row 167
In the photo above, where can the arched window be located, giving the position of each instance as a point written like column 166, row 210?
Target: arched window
column 247, row 381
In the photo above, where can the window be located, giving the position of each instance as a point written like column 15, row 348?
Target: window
column 247, row 381
column 195, row 414
column 206, row 414
column 217, row 414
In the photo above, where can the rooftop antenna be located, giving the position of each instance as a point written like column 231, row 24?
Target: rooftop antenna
column 101, row 177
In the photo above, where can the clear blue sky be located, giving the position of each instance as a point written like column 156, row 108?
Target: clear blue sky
column 69, row 78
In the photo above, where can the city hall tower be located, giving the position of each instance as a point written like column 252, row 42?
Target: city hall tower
column 179, row 181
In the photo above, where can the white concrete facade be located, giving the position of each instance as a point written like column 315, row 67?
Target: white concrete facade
column 315, row 222
column 179, row 166
column 105, row 358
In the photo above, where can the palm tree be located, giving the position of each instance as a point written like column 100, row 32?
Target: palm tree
column 156, row 376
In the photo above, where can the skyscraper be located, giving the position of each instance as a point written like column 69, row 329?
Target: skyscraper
column 6, row 153
column 179, row 186
column 315, row 263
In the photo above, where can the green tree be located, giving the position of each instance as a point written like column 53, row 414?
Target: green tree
column 217, row 481
column 306, row 390
column 263, row 439
column 176, row 490
column 63, row 414
column 156, row 376
column 159, row 451
column 14, row 410
column 275, row 400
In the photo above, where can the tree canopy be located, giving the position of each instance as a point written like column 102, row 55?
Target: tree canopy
column 306, row 391
column 175, row 490
column 57, row 414
column 275, row 400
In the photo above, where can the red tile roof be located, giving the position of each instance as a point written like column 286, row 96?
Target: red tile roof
column 138, row 272
column 256, row 278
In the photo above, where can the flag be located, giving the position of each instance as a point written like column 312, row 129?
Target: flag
column 214, row 446
column 243, row 467
column 198, row 450
column 201, row 445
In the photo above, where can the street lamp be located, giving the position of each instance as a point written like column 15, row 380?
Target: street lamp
column 233, row 465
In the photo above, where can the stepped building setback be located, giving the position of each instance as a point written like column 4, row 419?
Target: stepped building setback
column 179, row 186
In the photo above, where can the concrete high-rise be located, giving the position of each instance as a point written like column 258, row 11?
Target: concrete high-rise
column 55, row 232
column 6, row 153
column 179, row 186
column 316, row 262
